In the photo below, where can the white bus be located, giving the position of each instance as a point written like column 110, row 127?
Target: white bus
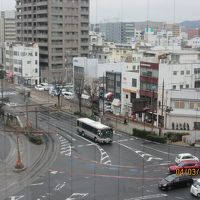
column 94, row 130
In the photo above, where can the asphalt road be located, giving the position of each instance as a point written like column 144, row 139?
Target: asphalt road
column 128, row 169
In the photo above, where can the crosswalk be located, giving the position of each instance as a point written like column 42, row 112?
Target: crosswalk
column 65, row 147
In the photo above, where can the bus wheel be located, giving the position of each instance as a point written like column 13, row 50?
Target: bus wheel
column 83, row 134
column 95, row 140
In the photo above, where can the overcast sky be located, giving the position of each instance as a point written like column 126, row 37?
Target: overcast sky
column 136, row 10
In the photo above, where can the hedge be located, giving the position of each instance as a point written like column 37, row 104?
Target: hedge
column 36, row 139
column 149, row 136
column 175, row 137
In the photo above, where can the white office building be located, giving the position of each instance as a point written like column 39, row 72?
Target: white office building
column 22, row 63
column 180, row 72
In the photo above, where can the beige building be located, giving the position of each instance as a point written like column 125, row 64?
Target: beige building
column 61, row 29
column 7, row 27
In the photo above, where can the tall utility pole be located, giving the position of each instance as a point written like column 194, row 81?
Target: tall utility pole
column 152, row 111
column 103, row 92
column 162, row 105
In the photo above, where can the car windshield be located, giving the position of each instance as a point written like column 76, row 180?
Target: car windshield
column 181, row 164
column 197, row 183
column 170, row 177
column 107, row 133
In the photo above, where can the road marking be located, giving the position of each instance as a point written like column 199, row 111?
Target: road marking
column 167, row 153
column 117, row 134
column 167, row 163
column 148, row 197
column 16, row 197
column 77, row 196
column 59, row 186
column 100, row 149
column 124, row 140
column 35, row 184
column 140, row 153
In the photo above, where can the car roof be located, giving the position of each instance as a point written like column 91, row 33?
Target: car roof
column 185, row 154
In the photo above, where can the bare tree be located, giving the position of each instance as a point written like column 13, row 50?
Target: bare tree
column 92, row 89
column 79, row 83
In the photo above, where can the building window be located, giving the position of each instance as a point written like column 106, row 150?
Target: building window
column 36, row 70
column 188, row 72
column 187, row 86
column 174, row 72
column 182, row 104
column 36, row 62
column 176, row 104
column 134, row 82
column 197, row 71
column 36, row 53
column 191, row 105
column 174, row 87
column 181, row 86
column 28, row 62
column 182, row 72
column 126, row 96
column 197, row 84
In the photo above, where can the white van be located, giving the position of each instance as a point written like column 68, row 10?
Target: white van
column 68, row 95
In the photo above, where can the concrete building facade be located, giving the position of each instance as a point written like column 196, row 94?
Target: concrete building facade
column 180, row 71
column 7, row 27
column 61, row 29
column 22, row 63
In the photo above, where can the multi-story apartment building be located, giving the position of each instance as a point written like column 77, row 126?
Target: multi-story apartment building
column 7, row 27
column 118, row 32
column 61, row 29
column 22, row 63
column 174, row 28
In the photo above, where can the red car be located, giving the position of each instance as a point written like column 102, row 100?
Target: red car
column 189, row 167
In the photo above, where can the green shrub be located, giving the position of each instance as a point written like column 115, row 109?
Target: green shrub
column 81, row 114
column 36, row 139
column 149, row 136
column 175, row 137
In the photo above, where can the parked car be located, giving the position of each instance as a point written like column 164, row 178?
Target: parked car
column 45, row 86
column 39, row 87
column 54, row 92
column 68, row 95
column 184, row 166
column 185, row 156
column 195, row 188
column 174, row 181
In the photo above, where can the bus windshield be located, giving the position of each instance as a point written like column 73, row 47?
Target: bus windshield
column 107, row 133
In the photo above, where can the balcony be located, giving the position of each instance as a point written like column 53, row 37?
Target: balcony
column 146, row 79
column 149, row 93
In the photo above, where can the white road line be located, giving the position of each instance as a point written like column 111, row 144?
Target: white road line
column 107, row 162
column 167, row 163
column 148, row 197
column 16, row 197
column 35, row 184
column 167, row 153
column 139, row 153
column 124, row 140
column 117, row 134
column 59, row 186
column 104, row 157
column 77, row 196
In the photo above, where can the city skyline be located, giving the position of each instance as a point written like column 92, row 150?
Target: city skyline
column 129, row 10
